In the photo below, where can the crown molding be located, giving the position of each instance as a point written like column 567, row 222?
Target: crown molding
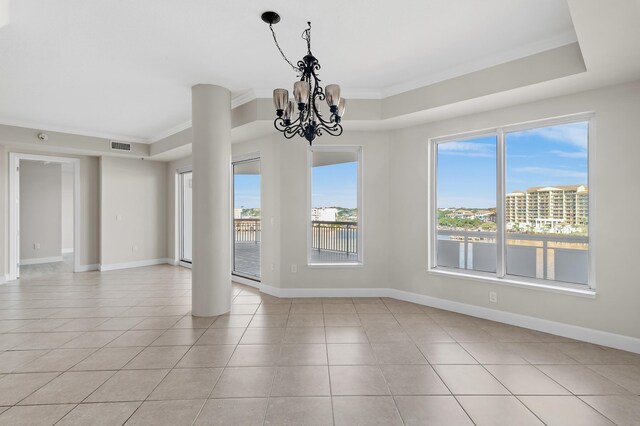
column 244, row 98
column 500, row 58
column 74, row 131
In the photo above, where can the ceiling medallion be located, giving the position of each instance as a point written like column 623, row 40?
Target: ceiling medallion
column 302, row 117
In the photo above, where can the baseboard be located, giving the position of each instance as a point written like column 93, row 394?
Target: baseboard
column 136, row 264
column 67, row 250
column 25, row 262
column 87, row 268
column 598, row 337
column 246, row 281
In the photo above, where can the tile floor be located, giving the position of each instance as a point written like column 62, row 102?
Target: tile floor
column 121, row 347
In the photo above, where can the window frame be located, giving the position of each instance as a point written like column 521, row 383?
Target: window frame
column 358, row 149
column 501, row 276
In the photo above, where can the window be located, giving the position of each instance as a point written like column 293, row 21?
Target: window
column 466, row 212
column 335, row 227
column 513, row 203
column 185, row 182
column 246, row 218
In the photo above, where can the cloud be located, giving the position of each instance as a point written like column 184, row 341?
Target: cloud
column 467, row 149
column 569, row 154
column 558, row 173
column 575, row 134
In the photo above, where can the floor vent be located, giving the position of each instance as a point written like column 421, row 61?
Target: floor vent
column 120, row 146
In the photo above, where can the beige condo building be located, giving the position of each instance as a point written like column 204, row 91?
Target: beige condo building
column 539, row 205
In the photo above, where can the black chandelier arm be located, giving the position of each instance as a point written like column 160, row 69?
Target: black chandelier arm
column 334, row 130
column 293, row 129
column 289, row 132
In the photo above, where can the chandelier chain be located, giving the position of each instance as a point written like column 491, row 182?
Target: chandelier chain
column 306, row 35
column 295, row 68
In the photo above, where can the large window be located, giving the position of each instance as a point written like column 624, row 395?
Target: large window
column 335, row 231
column 513, row 203
column 246, row 218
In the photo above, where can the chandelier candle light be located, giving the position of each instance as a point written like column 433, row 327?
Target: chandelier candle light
column 302, row 116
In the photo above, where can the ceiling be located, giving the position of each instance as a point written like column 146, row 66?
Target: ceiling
column 123, row 69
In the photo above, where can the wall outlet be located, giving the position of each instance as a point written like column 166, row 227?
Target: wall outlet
column 493, row 297
column 273, row 267
column 294, row 268
column 134, row 248
column 118, row 217
column 36, row 246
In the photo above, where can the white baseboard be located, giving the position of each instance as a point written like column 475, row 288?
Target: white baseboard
column 604, row 338
column 246, row 281
column 24, row 262
column 185, row 264
column 87, row 268
column 136, row 264
column 67, row 250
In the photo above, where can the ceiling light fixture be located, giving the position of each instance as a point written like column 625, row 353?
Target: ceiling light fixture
column 307, row 93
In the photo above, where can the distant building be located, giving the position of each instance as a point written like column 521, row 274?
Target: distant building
column 237, row 213
column 464, row 214
column 542, row 205
column 486, row 215
column 324, row 214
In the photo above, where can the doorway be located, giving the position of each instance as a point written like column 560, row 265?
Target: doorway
column 247, row 220
column 185, row 182
column 44, row 215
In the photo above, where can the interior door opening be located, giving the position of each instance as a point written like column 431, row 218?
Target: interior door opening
column 44, row 215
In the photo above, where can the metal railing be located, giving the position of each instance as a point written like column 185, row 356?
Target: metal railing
column 545, row 256
column 339, row 237
column 246, row 230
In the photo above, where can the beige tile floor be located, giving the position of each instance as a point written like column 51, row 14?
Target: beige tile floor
column 121, row 347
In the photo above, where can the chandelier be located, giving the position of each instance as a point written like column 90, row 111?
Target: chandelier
column 301, row 116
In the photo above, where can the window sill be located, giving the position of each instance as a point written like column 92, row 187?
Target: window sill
column 567, row 289
column 335, row 265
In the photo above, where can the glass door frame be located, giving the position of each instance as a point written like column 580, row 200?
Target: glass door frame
column 180, row 182
column 237, row 160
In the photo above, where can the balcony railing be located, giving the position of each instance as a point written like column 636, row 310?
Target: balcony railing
column 544, row 256
column 246, row 230
column 339, row 237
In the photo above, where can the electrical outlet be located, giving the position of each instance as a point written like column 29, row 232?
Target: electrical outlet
column 273, row 267
column 294, row 268
column 118, row 217
column 36, row 246
column 134, row 248
column 493, row 297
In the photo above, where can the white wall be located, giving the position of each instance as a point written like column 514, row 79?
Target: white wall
column 40, row 211
column 614, row 193
column 67, row 208
column 374, row 214
column 133, row 211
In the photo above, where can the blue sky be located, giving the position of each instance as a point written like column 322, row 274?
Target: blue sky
column 246, row 190
column 555, row 155
column 335, row 185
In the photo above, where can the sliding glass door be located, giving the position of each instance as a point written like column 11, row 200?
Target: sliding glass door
column 186, row 227
column 246, row 218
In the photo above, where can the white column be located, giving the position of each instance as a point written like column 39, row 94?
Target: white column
column 211, row 272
